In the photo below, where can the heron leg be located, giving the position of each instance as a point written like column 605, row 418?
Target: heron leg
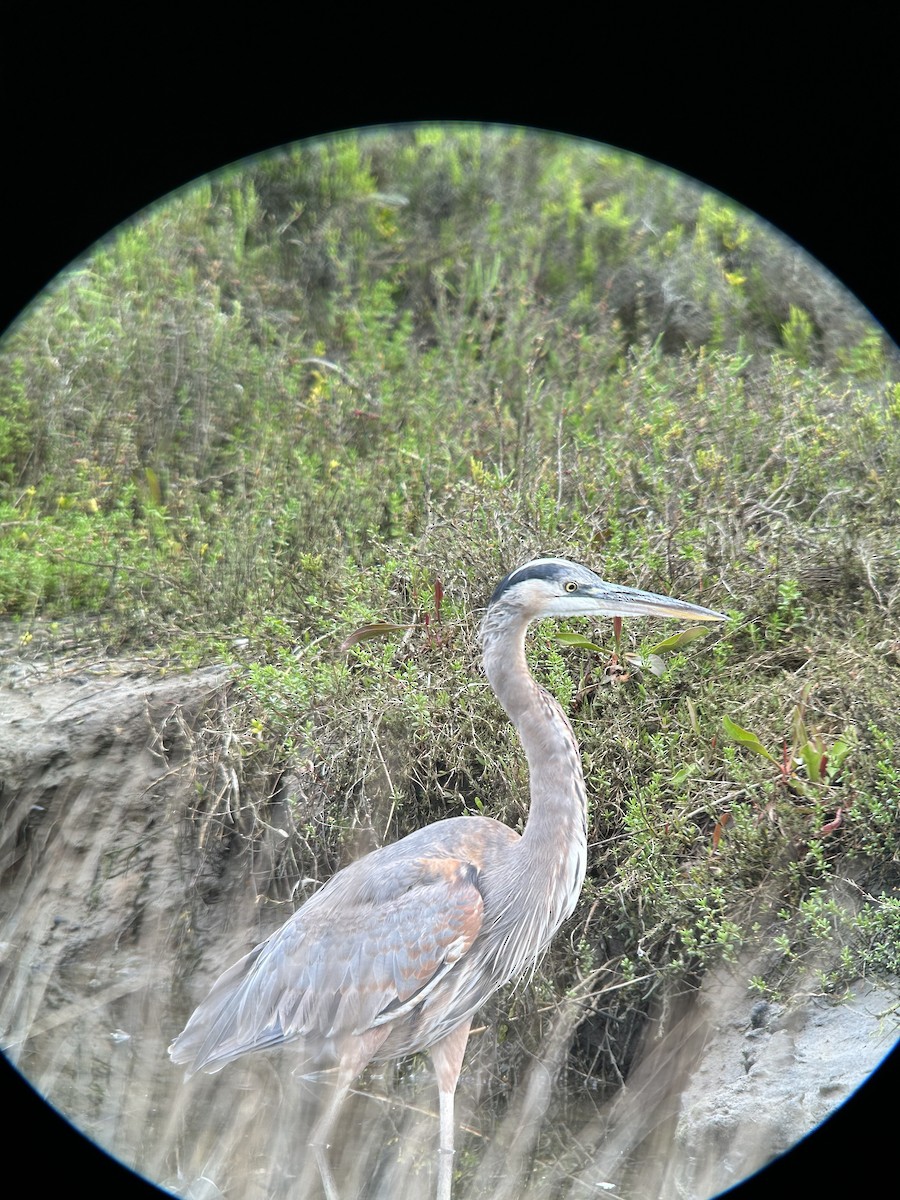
column 447, row 1056
column 355, row 1056
column 319, row 1141
column 327, row 1177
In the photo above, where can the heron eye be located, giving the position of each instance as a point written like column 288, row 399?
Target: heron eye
column 571, row 586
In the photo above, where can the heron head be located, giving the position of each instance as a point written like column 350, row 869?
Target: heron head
column 556, row 587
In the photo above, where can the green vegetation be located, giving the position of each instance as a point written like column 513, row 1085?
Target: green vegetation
column 289, row 401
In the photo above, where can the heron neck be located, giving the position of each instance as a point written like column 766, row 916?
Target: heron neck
column 553, row 849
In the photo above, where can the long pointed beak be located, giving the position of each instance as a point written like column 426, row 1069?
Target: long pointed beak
column 618, row 601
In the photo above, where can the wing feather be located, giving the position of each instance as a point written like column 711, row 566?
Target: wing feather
column 354, row 958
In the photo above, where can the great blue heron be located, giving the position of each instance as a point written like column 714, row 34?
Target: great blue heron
column 396, row 953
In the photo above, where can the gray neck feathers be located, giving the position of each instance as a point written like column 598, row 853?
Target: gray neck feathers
column 548, row 867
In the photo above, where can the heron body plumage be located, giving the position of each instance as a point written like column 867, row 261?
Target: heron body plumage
column 398, row 951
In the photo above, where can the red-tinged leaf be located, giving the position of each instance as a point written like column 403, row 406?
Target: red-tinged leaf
column 833, row 824
column 787, row 766
column 719, row 829
column 366, row 633
column 438, row 597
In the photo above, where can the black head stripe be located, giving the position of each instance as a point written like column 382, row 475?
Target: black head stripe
column 546, row 568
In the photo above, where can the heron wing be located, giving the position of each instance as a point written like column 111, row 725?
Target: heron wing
column 362, row 953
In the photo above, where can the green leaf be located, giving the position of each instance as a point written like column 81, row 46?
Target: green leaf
column 582, row 643
column 745, row 738
column 839, row 751
column 153, row 488
column 684, row 773
column 366, row 633
column 798, row 726
column 811, row 756
column 677, row 640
